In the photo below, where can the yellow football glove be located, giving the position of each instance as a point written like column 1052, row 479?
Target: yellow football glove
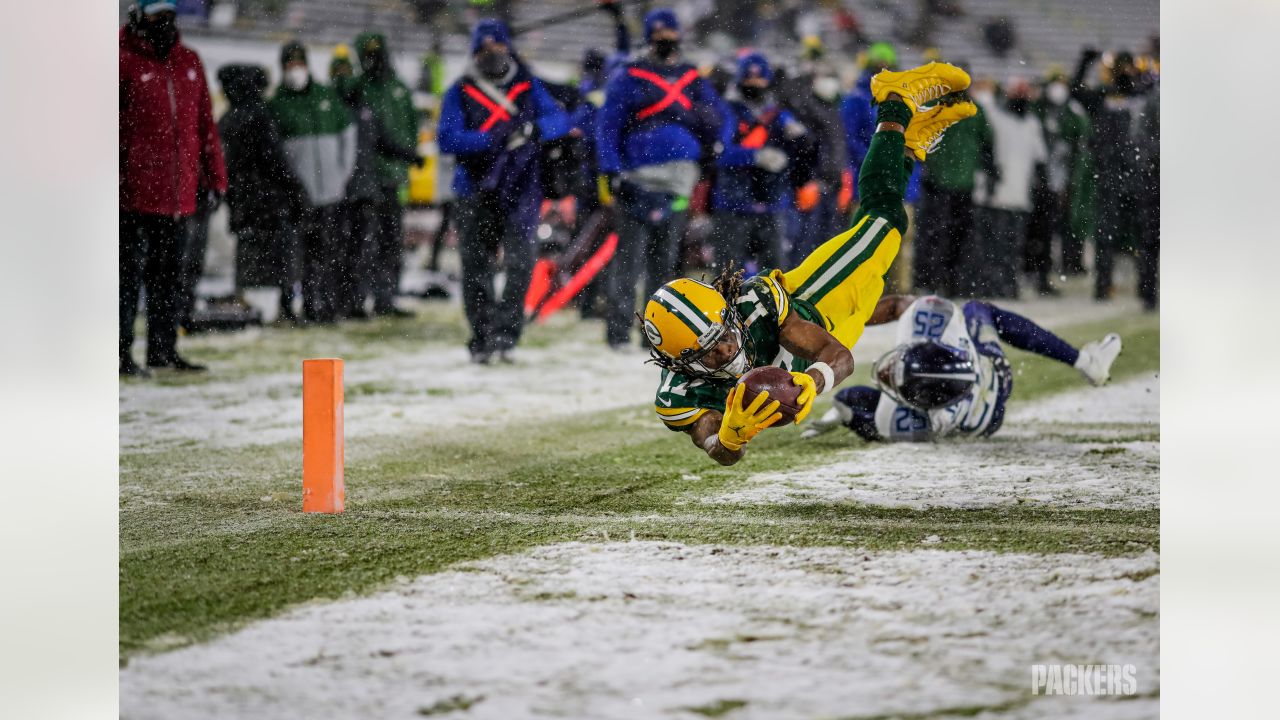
column 805, row 399
column 740, row 424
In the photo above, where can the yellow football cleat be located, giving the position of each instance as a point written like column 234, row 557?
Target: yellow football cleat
column 921, row 85
column 926, row 128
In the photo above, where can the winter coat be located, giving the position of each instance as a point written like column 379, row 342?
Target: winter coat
column 259, row 181
column 960, row 154
column 373, row 144
column 169, row 145
column 392, row 104
column 641, row 123
column 319, row 139
column 741, row 187
column 478, row 135
column 824, row 124
column 1019, row 148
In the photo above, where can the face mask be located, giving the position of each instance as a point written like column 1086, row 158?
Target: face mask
column 751, row 93
column 492, row 65
column 296, row 78
column 162, row 34
column 372, row 63
column 664, row 48
column 1018, row 106
column 827, row 88
column 1057, row 93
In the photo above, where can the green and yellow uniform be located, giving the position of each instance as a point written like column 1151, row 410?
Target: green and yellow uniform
column 837, row 286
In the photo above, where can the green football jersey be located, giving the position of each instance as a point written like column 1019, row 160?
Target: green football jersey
column 763, row 305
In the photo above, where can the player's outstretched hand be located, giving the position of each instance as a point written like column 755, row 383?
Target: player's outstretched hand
column 741, row 424
column 806, row 396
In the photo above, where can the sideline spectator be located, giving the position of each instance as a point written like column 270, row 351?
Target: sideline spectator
column 259, row 184
column 1113, row 109
column 1059, row 204
column 658, row 115
column 1005, row 203
column 1148, row 162
column 320, row 145
column 361, row 257
column 946, row 208
column 381, row 91
column 760, row 142
column 169, row 151
column 492, row 119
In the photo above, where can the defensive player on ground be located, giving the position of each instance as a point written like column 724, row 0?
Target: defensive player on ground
column 706, row 337
column 948, row 375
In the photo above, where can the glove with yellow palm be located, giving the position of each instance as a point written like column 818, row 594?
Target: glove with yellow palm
column 806, row 396
column 741, row 424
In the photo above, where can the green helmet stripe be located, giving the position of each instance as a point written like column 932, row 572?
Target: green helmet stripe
column 684, row 309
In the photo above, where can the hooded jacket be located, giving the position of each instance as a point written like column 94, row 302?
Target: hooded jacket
column 392, row 105
column 169, row 145
column 259, row 181
column 319, row 139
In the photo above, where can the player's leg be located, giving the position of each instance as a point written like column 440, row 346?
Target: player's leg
column 853, row 407
column 984, row 320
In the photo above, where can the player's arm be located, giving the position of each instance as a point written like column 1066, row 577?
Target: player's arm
column 705, row 434
column 832, row 362
column 890, row 308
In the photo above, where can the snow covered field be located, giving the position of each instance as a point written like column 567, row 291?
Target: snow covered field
column 643, row 629
column 804, row 612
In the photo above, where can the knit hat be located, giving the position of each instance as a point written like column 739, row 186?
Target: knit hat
column 658, row 19
column 492, row 30
column 882, row 53
column 341, row 57
column 753, row 64
column 292, row 50
column 151, row 7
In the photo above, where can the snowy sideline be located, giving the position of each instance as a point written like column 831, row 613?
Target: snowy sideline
column 646, row 629
column 1053, row 451
column 436, row 388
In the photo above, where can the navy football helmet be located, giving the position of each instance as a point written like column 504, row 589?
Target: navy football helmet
column 926, row 374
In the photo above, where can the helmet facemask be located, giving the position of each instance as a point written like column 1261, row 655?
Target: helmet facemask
column 690, row 361
column 920, row 388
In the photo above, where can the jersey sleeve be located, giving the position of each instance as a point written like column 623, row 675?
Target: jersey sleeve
column 680, row 401
column 762, row 299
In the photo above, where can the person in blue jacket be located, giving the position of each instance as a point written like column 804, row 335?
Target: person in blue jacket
column 760, row 144
column 493, row 119
column 657, row 117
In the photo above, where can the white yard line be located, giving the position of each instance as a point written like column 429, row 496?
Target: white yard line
column 1048, row 451
column 647, row 629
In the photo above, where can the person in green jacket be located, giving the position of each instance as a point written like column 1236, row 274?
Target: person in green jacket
column 945, row 228
column 319, row 141
column 381, row 91
column 1063, row 201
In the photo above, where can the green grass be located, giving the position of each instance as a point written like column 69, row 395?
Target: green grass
column 213, row 538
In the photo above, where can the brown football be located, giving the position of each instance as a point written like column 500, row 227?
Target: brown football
column 780, row 386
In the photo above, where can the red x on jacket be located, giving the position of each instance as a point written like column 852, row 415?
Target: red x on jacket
column 169, row 146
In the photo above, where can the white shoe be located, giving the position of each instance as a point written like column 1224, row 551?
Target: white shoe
column 1096, row 357
column 835, row 417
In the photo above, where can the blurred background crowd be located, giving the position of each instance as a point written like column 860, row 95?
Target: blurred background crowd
column 538, row 156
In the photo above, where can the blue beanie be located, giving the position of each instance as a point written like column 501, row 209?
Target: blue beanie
column 151, row 7
column 660, row 18
column 753, row 63
column 493, row 30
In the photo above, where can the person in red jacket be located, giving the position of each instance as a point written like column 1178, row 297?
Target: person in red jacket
column 169, row 153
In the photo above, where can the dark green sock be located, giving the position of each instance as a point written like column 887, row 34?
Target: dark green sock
column 893, row 111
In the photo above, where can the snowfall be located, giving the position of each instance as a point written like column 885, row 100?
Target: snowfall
column 632, row 629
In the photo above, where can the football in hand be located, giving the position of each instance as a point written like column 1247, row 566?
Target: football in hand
column 780, row 386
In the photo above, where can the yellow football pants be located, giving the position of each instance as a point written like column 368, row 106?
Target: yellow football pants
column 844, row 277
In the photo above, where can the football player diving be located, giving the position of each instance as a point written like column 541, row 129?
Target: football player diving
column 948, row 374
column 806, row 320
